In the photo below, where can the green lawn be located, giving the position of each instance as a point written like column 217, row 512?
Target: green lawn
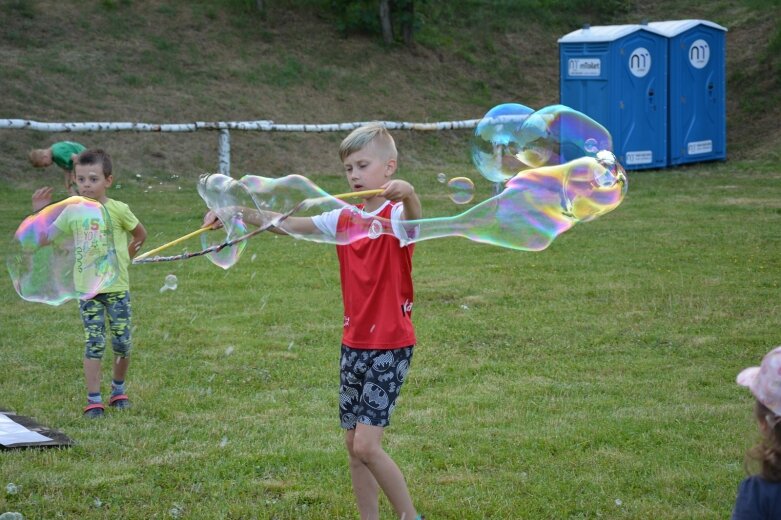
column 592, row 379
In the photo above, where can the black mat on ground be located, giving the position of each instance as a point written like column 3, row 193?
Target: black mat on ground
column 57, row 438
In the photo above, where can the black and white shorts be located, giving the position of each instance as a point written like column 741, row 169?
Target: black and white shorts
column 370, row 383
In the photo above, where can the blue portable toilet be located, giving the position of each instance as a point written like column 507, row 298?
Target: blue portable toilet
column 617, row 75
column 697, row 126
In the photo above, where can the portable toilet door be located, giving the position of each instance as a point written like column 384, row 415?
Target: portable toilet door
column 617, row 75
column 697, row 84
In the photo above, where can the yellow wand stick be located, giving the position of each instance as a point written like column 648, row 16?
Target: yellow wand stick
column 365, row 193
column 173, row 242
column 197, row 232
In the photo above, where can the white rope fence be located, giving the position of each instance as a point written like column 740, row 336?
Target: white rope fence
column 224, row 127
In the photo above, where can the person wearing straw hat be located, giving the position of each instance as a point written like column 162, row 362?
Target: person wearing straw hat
column 759, row 496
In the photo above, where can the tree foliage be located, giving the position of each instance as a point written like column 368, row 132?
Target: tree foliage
column 394, row 20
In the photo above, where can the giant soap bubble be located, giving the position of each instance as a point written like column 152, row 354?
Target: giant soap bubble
column 64, row 251
column 495, row 144
column 511, row 138
column 556, row 165
column 535, row 207
column 223, row 192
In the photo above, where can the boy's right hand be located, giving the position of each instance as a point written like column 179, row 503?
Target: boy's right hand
column 42, row 198
column 211, row 221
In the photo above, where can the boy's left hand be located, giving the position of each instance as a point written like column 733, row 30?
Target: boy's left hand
column 42, row 198
column 397, row 190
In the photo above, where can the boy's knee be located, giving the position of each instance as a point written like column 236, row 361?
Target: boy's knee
column 364, row 449
column 94, row 350
column 121, row 348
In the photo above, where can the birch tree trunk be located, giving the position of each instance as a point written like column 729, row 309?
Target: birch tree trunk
column 407, row 21
column 261, row 6
column 385, row 22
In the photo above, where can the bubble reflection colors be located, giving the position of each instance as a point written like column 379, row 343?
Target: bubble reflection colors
column 234, row 227
column 556, row 165
column 534, row 208
column 462, row 190
column 557, row 134
column 495, row 144
column 512, row 137
column 64, row 251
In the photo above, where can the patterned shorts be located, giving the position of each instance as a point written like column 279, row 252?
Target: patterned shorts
column 93, row 313
column 370, row 383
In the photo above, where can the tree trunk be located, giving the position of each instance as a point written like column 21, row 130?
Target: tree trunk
column 385, row 22
column 260, row 5
column 407, row 21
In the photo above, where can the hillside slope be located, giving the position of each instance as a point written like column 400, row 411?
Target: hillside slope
column 166, row 62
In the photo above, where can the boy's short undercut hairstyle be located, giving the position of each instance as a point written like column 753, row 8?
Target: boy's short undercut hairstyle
column 94, row 156
column 370, row 133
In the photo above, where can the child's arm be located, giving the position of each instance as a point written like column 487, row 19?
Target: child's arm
column 402, row 191
column 139, row 236
column 42, row 198
column 289, row 226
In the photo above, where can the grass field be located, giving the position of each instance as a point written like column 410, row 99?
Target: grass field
column 592, row 379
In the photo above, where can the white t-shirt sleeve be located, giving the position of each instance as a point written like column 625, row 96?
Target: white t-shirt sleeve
column 326, row 222
column 401, row 230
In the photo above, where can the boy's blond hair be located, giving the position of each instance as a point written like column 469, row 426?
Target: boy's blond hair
column 40, row 157
column 362, row 136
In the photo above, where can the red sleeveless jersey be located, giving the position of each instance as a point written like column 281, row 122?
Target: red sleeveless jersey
column 377, row 290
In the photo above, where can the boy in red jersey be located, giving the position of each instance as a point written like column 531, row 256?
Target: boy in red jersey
column 377, row 292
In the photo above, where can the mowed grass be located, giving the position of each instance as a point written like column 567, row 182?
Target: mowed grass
column 592, row 379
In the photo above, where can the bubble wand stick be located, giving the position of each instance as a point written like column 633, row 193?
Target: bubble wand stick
column 143, row 259
column 353, row 194
column 173, row 242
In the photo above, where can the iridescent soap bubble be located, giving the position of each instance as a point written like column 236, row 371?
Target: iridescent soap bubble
column 495, row 144
column 557, row 134
column 64, row 251
column 170, row 283
column 536, row 206
column 234, row 228
column 263, row 201
column 228, row 199
column 570, row 184
column 442, row 178
column 462, row 190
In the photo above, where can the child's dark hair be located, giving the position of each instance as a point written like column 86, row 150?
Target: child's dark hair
column 94, row 156
column 768, row 452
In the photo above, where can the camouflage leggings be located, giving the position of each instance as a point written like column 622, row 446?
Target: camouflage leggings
column 93, row 314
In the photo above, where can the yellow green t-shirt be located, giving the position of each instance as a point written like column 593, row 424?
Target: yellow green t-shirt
column 88, row 236
column 122, row 223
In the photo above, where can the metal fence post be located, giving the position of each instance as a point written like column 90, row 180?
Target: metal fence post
column 224, row 150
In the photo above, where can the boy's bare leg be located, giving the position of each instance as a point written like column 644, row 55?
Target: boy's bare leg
column 92, row 375
column 367, row 446
column 365, row 487
column 120, row 368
